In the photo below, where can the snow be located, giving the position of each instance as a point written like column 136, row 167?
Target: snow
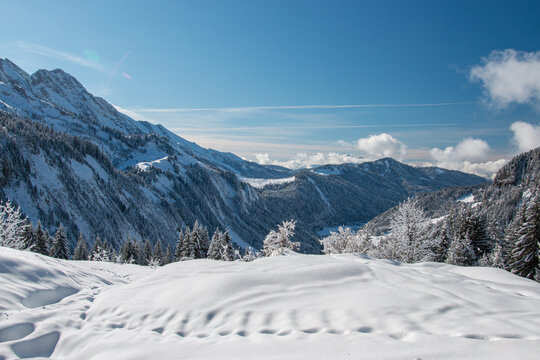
column 466, row 199
column 163, row 164
column 44, row 174
column 386, row 166
column 438, row 219
column 24, row 200
column 293, row 307
column 97, row 167
column 327, row 230
column 261, row 183
column 3, row 103
column 226, row 191
column 164, row 184
column 82, row 170
column 328, row 170
column 439, row 171
column 319, row 191
column 469, row 199
column 237, row 239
